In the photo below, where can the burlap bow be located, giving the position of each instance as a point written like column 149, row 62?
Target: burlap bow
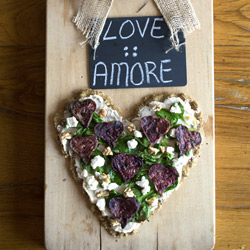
column 178, row 14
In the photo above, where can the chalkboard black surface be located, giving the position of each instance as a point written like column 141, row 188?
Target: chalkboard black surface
column 132, row 54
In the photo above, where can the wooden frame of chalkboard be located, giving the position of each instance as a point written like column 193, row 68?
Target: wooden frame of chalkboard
column 132, row 54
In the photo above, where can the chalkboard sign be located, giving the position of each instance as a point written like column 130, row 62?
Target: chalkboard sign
column 132, row 54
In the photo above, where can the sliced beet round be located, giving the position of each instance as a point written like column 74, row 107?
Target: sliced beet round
column 126, row 165
column 187, row 139
column 154, row 128
column 109, row 131
column 84, row 146
column 83, row 111
column 162, row 177
column 123, row 209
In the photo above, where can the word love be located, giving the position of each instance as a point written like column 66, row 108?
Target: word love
column 129, row 27
column 132, row 55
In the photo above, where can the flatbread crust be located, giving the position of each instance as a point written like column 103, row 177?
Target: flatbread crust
column 60, row 120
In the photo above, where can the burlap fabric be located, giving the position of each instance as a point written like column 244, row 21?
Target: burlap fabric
column 178, row 14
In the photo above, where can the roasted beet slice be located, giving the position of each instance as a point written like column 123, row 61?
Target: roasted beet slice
column 126, row 165
column 123, row 209
column 162, row 177
column 154, row 128
column 84, row 146
column 187, row 139
column 83, row 111
column 109, row 131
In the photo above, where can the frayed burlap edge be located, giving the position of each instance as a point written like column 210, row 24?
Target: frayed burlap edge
column 60, row 120
column 178, row 14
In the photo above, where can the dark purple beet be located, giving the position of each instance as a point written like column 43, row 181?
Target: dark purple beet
column 123, row 209
column 84, row 146
column 109, row 131
column 187, row 139
column 83, row 111
column 154, row 128
column 162, row 177
column 126, row 165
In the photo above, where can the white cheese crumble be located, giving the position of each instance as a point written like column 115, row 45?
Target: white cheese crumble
column 132, row 144
column 112, row 186
column 71, row 122
column 85, row 173
column 97, row 161
column 170, row 150
column 138, row 134
column 101, row 204
column 144, row 184
column 175, row 109
column 92, row 183
column 172, row 132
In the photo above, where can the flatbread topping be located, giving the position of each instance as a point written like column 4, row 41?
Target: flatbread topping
column 187, row 139
column 127, row 165
column 123, row 209
column 109, row 131
column 84, row 146
column 154, row 128
column 162, row 177
column 83, row 111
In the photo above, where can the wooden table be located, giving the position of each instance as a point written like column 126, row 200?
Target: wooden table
column 22, row 76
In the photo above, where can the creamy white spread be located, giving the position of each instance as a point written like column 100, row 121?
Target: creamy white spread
column 93, row 184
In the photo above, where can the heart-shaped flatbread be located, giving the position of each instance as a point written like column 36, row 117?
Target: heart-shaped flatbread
column 129, row 168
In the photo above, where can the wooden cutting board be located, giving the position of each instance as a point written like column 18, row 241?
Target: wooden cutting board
column 187, row 219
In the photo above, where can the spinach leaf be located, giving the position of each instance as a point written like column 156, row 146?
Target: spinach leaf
column 90, row 132
column 171, row 117
column 88, row 168
column 143, row 213
column 115, row 177
column 96, row 118
column 143, row 141
column 122, row 147
column 172, row 187
column 80, row 131
column 136, row 191
column 112, row 194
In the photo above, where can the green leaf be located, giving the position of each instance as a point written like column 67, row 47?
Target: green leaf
column 112, row 194
column 171, row 117
column 136, row 191
column 143, row 213
column 188, row 153
column 90, row 132
column 143, row 141
column 80, row 131
column 172, row 187
column 115, row 177
column 97, row 118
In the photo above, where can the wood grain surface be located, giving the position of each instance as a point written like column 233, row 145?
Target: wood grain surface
column 22, row 75
column 69, row 223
